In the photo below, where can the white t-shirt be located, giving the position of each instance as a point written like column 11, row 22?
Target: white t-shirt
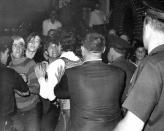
column 97, row 17
column 47, row 25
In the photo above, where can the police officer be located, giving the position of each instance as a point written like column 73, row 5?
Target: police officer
column 118, row 49
column 145, row 102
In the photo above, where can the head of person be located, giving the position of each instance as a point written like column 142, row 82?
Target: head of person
column 93, row 46
column 18, row 47
column 53, row 48
column 153, row 31
column 112, row 32
column 33, row 42
column 68, row 40
column 5, row 48
column 117, row 48
column 125, row 37
column 52, row 33
column 53, row 15
column 140, row 52
column 97, row 6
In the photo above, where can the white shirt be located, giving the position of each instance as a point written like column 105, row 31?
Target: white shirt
column 47, row 85
column 47, row 25
column 97, row 17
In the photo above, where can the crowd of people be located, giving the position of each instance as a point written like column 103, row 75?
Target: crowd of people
column 96, row 80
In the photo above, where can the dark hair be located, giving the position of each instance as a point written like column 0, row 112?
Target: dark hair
column 5, row 43
column 32, row 35
column 94, row 42
column 68, row 40
column 50, row 41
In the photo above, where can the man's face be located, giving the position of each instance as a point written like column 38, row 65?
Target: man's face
column 140, row 53
column 110, row 55
column 4, row 56
column 33, row 44
column 18, row 49
column 54, row 50
column 53, row 16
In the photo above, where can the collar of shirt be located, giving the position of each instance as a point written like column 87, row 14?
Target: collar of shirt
column 157, row 49
column 92, row 60
column 70, row 55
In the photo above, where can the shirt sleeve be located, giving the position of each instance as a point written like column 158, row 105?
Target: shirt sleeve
column 145, row 92
column 47, row 85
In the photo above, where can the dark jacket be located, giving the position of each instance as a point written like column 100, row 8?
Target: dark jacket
column 95, row 89
column 129, row 69
column 10, row 82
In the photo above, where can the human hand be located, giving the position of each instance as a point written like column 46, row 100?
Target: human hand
column 39, row 71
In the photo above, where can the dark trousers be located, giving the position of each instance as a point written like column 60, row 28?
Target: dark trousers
column 6, row 124
column 50, row 116
column 28, row 120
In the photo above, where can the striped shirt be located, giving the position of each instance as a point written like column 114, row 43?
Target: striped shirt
column 26, row 66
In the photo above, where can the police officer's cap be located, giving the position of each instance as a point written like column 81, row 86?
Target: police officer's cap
column 119, row 44
column 155, row 9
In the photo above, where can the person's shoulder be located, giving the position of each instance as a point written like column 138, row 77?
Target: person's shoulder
column 46, row 21
column 75, row 69
column 57, row 63
column 8, row 71
column 116, row 69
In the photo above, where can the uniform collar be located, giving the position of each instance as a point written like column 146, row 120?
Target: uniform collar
column 157, row 49
column 93, row 61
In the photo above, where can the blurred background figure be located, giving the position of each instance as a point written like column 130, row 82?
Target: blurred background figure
column 98, row 19
column 51, row 23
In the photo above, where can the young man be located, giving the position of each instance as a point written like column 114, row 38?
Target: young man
column 51, row 23
column 67, row 59
column 51, row 110
column 29, row 107
column 146, row 98
column 10, row 82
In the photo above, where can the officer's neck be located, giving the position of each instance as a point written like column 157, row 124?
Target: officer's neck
column 92, row 57
column 155, row 41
